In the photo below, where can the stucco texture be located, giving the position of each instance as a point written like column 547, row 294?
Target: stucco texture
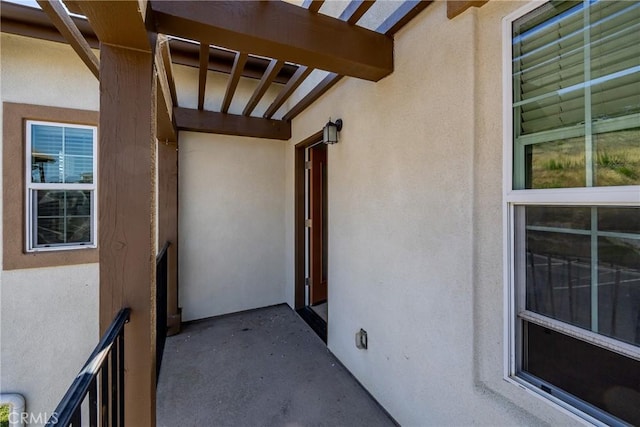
column 415, row 226
column 231, row 224
column 48, row 316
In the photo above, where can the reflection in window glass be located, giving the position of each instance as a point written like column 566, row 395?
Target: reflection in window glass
column 61, row 154
column 62, row 217
column 619, row 288
column 564, row 246
column 617, row 157
column 559, row 276
column 576, row 105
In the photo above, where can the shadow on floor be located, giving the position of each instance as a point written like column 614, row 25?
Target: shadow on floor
column 259, row 368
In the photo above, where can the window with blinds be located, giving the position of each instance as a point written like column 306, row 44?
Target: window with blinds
column 61, row 186
column 573, row 206
column 576, row 93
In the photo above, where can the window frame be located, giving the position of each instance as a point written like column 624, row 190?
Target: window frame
column 14, row 254
column 31, row 187
column 579, row 196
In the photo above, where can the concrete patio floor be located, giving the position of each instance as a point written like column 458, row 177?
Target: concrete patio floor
column 264, row 367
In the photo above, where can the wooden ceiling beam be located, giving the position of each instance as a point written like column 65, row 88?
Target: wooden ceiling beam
column 165, row 57
column 73, row 6
column 231, row 124
column 355, row 10
column 63, row 22
column 269, row 75
column 455, row 8
column 315, row 5
column 165, row 127
column 327, row 83
column 236, row 72
column 295, row 81
column 315, row 40
column 118, row 23
column 405, row 13
column 402, row 16
column 221, row 60
column 202, row 73
column 30, row 22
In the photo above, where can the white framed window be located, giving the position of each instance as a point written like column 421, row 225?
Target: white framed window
column 572, row 205
column 61, row 172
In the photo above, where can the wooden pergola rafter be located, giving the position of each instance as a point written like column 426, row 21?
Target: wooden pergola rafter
column 264, row 40
column 275, row 42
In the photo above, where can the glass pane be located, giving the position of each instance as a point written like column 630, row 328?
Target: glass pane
column 621, row 220
column 78, row 141
column 559, row 217
column 46, row 139
column 61, row 154
column 46, row 153
column 558, row 281
column 62, row 216
column 601, row 377
column 576, row 106
column 46, row 168
column 78, row 229
column 78, row 169
column 619, row 288
column 557, row 164
column 617, row 157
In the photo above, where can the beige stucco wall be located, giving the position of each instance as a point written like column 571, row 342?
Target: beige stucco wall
column 415, row 226
column 231, row 224
column 48, row 316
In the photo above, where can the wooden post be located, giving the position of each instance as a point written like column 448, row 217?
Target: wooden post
column 126, row 156
column 168, row 225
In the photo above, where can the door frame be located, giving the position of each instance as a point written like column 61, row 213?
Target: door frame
column 299, row 217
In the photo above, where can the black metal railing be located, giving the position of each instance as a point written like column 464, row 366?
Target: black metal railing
column 161, row 303
column 101, row 380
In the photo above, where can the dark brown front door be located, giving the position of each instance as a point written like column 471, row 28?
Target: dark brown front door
column 318, row 230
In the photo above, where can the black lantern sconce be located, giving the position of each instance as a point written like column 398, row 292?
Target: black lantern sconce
column 330, row 131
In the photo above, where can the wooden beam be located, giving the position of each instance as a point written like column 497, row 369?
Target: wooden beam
column 73, row 6
column 327, row 83
column 30, row 22
column 202, row 74
column 127, row 248
column 168, row 225
column 165, row 53
column 118, row 23
column 401, row 17
column 315, row 5
column 354, row 10
column 221, row 60
column 351, row 15
column 295, row 81
column 165, row 128
column 231, row 124
column 236, row 72
column 63, row 22
column 270, row 73
column 280, row 30
column 455, row 8
column 405, row 13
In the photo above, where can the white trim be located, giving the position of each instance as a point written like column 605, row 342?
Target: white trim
column 30, row 187
column 606, row 196
column 585, row 335
column 560, row 405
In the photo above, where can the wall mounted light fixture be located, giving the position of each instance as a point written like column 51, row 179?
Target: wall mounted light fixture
column 330, row 131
